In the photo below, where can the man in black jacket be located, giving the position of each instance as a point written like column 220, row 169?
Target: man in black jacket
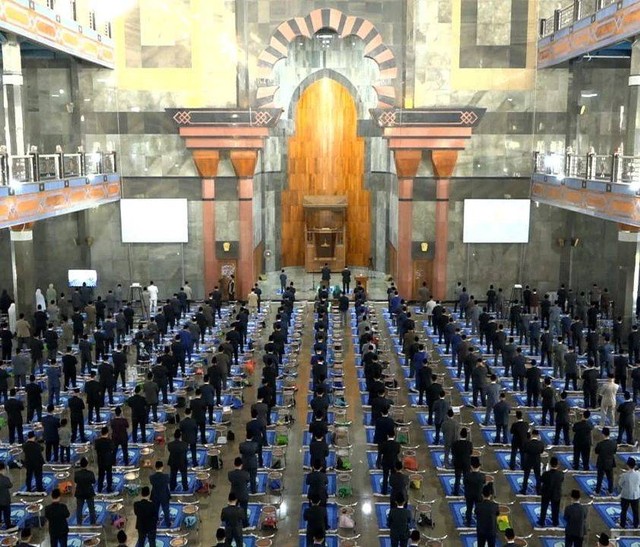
column 178, row 461
column 119, row 358
column 34, row 399
column 473, row 484
column 139, row 413
column 189, row 430
column 590, row 385
column 105, row 454
column 389, row 452
column 105, row 372
column 626, row 418
column 76, row 413
column 57, row 514
column 399, row 522
column 582, row 441
column 575, row 516
column 146, row 518
column 14, row 407
column 33, row 461
column 161, row 493
column 551, row 492
column 239, row 480
column 85, row 479
column 606, row 451
column 94, row 398
column 233, row 518
column 519, row 431
column 486, row 519
column 562, row 419
column 199, row 413
column 461, row 454
column 532, row 450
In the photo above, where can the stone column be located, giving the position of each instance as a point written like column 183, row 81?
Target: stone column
column 444, row 162
column 12, row 96
column 632, row 145
column 407, row 163
column 23, row 268
column 207, row 164
column 244, row 164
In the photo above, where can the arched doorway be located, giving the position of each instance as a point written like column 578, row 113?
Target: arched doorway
column 326, row 157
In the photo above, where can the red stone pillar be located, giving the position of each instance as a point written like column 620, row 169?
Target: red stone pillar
column 407, row 163
column 207, row 164
column 444, row 162
column 244, row 164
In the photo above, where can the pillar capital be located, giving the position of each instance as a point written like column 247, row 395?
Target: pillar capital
column 444, row 162
column 244, row 162
column 407, row 162
column 206, row 162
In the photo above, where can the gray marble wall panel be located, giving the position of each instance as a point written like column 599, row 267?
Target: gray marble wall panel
column 227, row 221
column 167, row 264
column 258, row 210
column 381, row 235
column 56, row 250
column 393, row 214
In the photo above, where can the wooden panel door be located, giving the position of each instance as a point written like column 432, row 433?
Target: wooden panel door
column 326, row 157
column 422, row 271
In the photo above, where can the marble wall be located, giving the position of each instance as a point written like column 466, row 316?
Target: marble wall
column 205, row 54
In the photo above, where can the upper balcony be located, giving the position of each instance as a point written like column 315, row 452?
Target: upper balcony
column 588, row 27
column 604, row 186
column 39, row 186
column 71, row 27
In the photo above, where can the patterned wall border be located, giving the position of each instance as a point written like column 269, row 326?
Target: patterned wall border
column 344, row 25
column 38, row 201
column 608, row 205
column 42, row 25
column 607, row 27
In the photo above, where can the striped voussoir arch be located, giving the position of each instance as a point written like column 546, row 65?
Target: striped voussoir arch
column 343, row 25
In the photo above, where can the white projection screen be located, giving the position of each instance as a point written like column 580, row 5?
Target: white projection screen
column 496, row 221
column 154, row 221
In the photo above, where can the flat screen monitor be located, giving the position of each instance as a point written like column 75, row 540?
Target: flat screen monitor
column 154, row 220
column 78, row 277
column 496, row 220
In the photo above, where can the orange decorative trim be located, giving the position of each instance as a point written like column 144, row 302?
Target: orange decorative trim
column 42, row 25
column 16, row 210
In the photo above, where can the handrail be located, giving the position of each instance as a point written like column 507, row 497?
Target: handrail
column 34, row 167
column 615, row 168
column 566, row 16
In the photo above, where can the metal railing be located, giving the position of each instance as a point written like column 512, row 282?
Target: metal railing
column 34, row 167
column 566, row 16
column 68, row 9
column 614, row 167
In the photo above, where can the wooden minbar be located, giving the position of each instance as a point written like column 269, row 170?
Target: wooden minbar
column 325, row 230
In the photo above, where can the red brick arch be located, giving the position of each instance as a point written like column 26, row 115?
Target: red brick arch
column 343, row 25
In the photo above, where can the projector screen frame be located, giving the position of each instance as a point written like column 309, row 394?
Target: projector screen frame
column 139, row 226
column 90, row 279
column 479, row 208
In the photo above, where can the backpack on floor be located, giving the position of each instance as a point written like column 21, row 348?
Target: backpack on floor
column 503, row 522
column 270, row 523
column 215, row 462
column 343, row 463
column 345, row 491
column 345, row 521
column 410, row 463
column 426, row 521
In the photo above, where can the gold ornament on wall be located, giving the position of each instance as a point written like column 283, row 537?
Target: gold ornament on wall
column 226, row 246
column 424, row 246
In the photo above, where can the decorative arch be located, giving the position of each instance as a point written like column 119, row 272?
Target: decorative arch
column 343, row 25
column 319, row 75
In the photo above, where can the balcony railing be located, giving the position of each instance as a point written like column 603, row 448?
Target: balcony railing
column 605, row 168
column 34, row 167
column 566, row 16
